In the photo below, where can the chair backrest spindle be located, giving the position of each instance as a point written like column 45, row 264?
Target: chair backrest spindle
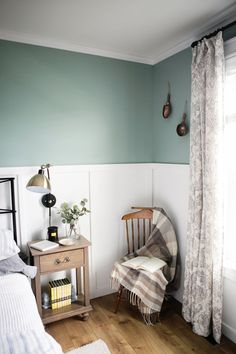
column 138, row 234
column 136, row 231
column 150, row 227
column 127, row 235
column 132, row 228
column 144, row 232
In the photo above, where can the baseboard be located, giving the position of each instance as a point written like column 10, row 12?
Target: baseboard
column 102, row 292
column 176, row 303
column 229, row 332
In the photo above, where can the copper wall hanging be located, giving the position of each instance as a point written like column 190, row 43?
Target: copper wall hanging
column 182, row 128
column 167, row 106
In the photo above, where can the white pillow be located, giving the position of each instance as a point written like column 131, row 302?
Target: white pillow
column 8, row 247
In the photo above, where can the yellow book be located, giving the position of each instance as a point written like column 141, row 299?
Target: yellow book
column 53, row 295
column 66, row 291
column 58, row 294
column 61, row 293
column 69, row 292
column 50, row 292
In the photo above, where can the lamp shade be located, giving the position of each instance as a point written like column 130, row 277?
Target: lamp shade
column 39, row 183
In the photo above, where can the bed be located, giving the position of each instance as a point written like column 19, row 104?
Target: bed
column 21, row 328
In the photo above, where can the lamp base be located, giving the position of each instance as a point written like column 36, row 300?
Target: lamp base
column 48, row 200
column 53, row 233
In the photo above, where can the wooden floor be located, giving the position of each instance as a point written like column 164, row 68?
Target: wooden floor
column 126, row 333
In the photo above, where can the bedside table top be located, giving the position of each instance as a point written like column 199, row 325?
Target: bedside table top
column 82, row 242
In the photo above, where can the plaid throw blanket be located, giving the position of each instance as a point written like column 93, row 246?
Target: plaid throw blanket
column 145, row 289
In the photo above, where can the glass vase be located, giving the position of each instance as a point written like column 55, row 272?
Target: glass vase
column 72, row 230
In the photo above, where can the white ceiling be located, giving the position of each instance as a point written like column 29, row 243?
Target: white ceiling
column 145, row 31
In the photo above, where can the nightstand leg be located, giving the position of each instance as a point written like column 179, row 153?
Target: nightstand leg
column 86, row 278
column 78, row 281
column 37, row 286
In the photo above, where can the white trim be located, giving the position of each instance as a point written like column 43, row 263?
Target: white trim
column 219, row 20
column 102, row 292
column 51, row 43
column 25, row 170
column 229, row 332
column 174, row 50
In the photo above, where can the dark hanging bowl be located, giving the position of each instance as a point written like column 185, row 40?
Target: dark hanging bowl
column 182, row 128
column 167, row 108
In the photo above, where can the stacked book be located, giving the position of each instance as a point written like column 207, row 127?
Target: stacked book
column 60, row 291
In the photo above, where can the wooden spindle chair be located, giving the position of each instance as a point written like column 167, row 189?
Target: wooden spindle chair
column 138, row 228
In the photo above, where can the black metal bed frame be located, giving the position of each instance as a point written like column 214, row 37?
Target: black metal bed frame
column 12, row 210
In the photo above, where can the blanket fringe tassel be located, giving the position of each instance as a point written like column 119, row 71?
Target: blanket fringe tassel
column 149, row 316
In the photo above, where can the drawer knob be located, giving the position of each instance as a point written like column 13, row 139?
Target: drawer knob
column 65, row 260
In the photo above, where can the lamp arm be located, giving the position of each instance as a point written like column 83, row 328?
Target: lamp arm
column 50, row 217
column 48, row 173
column 46, row 167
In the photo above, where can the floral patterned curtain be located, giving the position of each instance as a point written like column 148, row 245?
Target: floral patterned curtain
column 202, row 300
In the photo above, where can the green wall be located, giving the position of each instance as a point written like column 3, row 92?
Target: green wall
column 168, row 147
column 68, row 108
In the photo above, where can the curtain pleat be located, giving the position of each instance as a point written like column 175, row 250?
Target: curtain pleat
column 202, row 299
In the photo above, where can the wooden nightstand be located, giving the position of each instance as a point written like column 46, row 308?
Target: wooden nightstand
column 55, row 260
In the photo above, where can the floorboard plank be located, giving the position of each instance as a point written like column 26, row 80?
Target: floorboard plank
column 125, row 331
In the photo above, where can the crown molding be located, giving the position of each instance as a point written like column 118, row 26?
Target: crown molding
column 219, row 20
column 171, row 51
column 51, row 43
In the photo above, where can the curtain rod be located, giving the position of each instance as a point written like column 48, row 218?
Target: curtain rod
column 213, row 33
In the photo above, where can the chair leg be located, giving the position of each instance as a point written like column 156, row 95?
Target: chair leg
column 119, row 295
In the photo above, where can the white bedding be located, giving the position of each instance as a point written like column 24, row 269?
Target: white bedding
column 21, row 328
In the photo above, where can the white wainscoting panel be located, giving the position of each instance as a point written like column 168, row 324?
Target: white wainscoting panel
column 229, row 310
column 113, row 191
column 110, row 189
column 170, row 191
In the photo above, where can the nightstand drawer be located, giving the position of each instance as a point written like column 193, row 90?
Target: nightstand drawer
column 63, row 260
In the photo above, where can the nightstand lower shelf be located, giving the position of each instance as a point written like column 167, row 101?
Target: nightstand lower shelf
column 74, row 309
column 59, row 259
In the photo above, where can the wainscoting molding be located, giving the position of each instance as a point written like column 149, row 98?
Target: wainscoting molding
column 229, row 331
column 111, row 191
